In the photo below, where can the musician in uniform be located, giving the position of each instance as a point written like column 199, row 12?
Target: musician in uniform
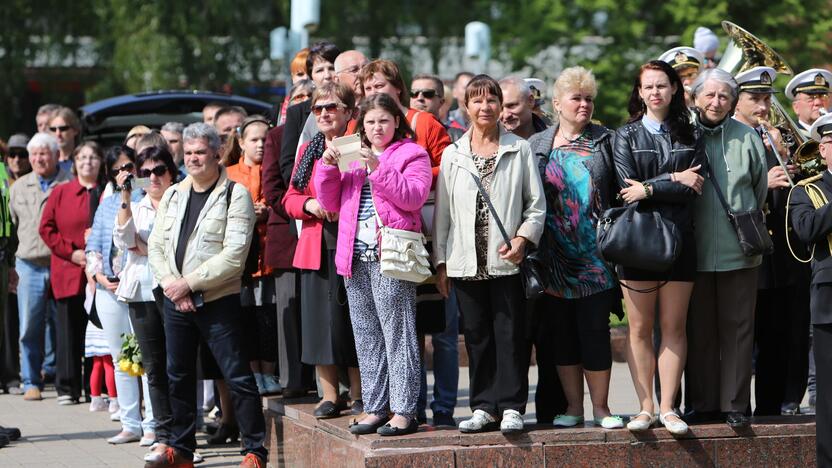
column 809, row 92
column 782, row 311
column 687, row 62
column 811, row 218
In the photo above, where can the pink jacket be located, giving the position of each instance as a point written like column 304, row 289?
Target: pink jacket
column 401, row 184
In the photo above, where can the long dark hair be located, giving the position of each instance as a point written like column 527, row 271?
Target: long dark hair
column 678, row 117
column 387, row 104
column 111, row 157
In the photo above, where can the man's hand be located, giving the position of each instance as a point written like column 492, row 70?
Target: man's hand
column 261, row 211
column 185, row 304
column 178, row 289
column 13, row 281
column 777, row 178
column 443, row 283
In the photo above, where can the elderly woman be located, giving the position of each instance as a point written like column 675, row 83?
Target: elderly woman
column 327, row 333
column 575, row 162
column 66, row 217
column 105, row 263
column 469, row 249
column 721, row 323
column 657, row 158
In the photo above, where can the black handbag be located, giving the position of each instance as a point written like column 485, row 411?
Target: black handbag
column 750, row 225
column 638, row 238
column 535, row 262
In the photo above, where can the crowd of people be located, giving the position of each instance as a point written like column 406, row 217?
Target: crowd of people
column 248, row 259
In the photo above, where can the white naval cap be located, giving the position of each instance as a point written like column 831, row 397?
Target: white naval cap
column 680, row 57
column 821, row 128
column 757, row 80
column 814, row 81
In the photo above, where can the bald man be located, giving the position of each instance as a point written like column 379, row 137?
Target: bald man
column 347, row 65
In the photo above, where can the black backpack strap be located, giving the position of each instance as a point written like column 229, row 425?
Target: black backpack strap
column 229, row 190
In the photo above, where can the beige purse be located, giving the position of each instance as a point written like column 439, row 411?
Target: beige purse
column 402, row 254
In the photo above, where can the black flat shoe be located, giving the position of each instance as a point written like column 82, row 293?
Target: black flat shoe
column 4, row 440
column 327, row 409
column 388, row 430
column 737, row 420
column 226, row 434
column 12, row 433
column 363, row 429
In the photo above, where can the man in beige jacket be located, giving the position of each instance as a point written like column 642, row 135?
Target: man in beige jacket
column 197, row 250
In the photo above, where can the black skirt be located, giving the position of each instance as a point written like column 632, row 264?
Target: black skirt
column 683, row 269
column 326, row 329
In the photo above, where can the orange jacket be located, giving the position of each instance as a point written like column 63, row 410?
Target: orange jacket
column 249, row 177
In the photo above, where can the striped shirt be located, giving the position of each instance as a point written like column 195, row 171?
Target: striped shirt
column 365, row 247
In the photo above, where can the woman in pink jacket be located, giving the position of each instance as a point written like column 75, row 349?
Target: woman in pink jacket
column 391, row 183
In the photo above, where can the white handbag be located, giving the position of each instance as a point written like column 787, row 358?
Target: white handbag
column 402, row 254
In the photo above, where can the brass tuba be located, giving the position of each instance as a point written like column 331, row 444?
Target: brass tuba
column 746, row 51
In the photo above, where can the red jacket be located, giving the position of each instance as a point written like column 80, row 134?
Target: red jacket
column 281, row 238
column 308, row 251
column 65, row 218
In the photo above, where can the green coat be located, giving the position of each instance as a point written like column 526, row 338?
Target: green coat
column 737, row 157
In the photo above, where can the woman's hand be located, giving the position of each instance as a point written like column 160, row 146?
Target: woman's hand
column 121, row 178
column 690, row 178
column 79, row 258
column 312, row 207
column 261, row 211
column 140, row 248
column 634, row 192
column 369, row 158
column 443, row 283
column 331, row 156
column 103, row 281
column 515, row 252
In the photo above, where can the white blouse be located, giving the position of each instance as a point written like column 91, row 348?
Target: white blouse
column 137, row 280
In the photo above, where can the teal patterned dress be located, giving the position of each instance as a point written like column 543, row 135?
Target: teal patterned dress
column 573, row 206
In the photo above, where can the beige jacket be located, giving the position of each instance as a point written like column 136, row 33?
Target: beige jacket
column 26, row 202
column 516, row 192
column 217, row 249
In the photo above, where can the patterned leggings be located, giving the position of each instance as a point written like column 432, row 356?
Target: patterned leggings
column 383, row 313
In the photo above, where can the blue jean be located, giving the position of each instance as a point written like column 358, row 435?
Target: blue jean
column 36, row 309
column 445, row 364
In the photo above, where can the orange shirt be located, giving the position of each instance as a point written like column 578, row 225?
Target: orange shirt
column 430, row 135
column 249, row 177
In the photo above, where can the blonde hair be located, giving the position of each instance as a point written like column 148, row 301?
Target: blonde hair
column 574, row 79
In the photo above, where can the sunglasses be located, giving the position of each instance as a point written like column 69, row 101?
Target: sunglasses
column 330, row 108
column 125, row 167
column 18, row 154
column 61, row 128
column 427, row 93
column 158, row 171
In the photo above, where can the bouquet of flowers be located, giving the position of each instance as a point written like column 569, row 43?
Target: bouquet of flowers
column 130, row 357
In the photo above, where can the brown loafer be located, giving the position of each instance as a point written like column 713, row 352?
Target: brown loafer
column 167, row 457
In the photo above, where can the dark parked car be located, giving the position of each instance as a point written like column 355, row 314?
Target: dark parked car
column 108, row 121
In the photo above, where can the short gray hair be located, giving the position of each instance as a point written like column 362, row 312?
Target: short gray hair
column 48, row 109
column 43, row 140
column 519, row 83
column 199, row 130
column 173, row 127
column 718, row 75
column 307, row 85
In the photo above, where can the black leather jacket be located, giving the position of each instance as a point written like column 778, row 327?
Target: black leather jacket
column 640, row 155
column 600, row 165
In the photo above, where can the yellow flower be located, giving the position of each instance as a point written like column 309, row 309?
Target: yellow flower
column 136, row 368
column 124, row 365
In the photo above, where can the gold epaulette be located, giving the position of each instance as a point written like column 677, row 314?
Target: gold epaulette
column 809, row 180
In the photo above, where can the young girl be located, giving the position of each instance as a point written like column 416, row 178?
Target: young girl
column 392, row 184
column 95, row 347
column 257, row 296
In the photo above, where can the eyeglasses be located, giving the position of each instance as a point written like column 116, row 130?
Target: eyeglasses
column 351, row 70
column 125, row 167
column 330, row 108
column 18, row 154
column 59, row 128
column 301, row 97
column 427, row 93
column 158, row 171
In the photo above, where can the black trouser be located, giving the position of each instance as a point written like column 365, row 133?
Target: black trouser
column 218, row 323
column 10, row 363
column 782, row 347
column 549, row 399
column 495, row 337
column 71, row 325
column 147, row 323
column 261, row 332
column 294, row 375
column 823, row 408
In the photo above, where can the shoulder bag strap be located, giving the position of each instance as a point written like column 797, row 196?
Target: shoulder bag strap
column 718, row 189
column 493, row 211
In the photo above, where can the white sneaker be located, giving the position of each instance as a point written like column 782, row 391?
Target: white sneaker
column 98, row 404
column 512, row 422
column 479, row 422
column 677, row 427
column 637, row 425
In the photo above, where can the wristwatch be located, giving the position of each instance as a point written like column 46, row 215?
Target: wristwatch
column 123, row 206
